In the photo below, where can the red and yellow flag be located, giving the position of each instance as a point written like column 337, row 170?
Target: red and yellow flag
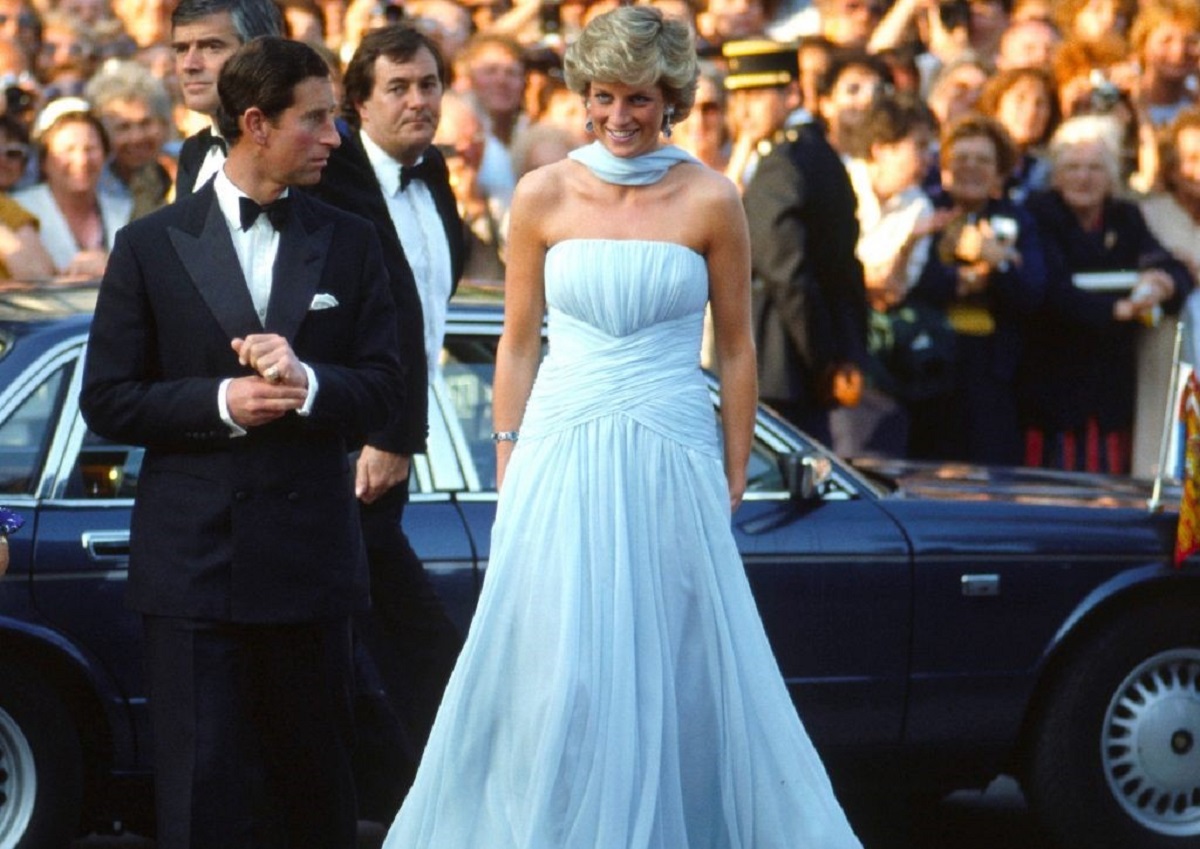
column 1187, row 538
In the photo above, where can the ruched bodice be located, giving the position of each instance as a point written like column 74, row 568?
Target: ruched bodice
column 625, row 320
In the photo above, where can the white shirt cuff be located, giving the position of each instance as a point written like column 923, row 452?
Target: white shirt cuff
column 223, row 408
column 306, row 409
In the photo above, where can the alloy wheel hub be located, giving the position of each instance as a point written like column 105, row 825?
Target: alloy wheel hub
column 1149, row 745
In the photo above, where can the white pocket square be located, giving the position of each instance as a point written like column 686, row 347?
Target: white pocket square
column 323, row 301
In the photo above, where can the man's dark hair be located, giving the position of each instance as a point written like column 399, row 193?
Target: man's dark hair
column 842, row 59
column 251, row 18
column 894, row 118
column 399, row 43
column 264, row 73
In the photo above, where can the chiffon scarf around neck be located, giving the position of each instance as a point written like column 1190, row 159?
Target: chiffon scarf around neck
column 630, row 171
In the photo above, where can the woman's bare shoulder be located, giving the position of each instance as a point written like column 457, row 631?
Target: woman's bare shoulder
column 547, row 184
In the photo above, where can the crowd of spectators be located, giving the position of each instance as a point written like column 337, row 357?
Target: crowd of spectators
column 1027, row 175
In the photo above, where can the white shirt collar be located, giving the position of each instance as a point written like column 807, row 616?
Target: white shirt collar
column 386, row 166
column 228, row 197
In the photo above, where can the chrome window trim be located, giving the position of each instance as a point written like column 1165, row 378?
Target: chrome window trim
column 63, row 354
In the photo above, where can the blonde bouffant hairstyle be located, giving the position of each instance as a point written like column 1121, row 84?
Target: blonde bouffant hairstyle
column 636, row 46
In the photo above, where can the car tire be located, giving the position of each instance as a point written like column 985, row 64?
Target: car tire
column 41, row 768
column 1116, row 758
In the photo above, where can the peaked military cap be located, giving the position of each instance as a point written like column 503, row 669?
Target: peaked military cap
column 759, row 63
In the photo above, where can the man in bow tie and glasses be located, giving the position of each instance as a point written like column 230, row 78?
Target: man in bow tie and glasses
column 245, row 336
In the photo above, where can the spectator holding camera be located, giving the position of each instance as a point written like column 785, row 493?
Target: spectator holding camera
column 987, row 273
column 1080, row 376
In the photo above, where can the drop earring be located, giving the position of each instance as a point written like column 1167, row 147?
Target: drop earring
column 589, row 126
column 668, row 117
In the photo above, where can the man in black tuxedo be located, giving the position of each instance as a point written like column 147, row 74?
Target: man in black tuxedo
column 204, row 34
column 245, row 336
column 388, row 170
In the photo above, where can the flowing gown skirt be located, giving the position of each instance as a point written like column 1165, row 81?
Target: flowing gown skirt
column 616, row 689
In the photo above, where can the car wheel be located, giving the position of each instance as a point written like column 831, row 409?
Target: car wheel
column 41, row 771
column 1116, row 760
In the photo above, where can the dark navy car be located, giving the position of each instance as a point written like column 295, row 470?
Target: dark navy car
column 937, row 625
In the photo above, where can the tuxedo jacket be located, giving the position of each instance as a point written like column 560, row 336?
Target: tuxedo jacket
column 191, row 155
column 262, row 527
column 349, row 183
column 809, row 298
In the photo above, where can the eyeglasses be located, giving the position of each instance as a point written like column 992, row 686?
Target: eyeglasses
column 14, row 152
column 709, row 108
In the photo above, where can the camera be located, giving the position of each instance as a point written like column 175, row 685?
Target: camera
column 954, row 13
column 17, row 99
column 550, row 17
column 392, row 13
column 1105, row 95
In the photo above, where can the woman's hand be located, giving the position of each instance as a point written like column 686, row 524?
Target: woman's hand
column 87, row 265
column 1154, row 286
column 737, row 488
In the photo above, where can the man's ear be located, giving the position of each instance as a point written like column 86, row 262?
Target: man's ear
column 254, row 125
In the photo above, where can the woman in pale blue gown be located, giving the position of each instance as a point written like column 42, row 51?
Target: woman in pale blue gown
column 616, row 690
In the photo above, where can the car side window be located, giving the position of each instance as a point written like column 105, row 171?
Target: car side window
column 25, row 435
column 104, row 469
column 469, row 369
column 764, row 473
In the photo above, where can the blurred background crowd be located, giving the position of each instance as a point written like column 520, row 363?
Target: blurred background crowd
column 1026, row 176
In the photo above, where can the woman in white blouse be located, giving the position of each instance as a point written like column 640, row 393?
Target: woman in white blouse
column 78, row 223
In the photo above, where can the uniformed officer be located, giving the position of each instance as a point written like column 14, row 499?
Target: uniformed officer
column 810, row 308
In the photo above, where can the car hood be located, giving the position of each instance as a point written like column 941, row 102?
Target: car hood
column 913, row 479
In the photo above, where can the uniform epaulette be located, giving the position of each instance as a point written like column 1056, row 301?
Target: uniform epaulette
column 788, row 134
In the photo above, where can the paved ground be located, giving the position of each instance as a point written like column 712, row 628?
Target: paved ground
column 995, row 819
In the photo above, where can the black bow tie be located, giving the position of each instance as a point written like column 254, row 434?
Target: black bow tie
column 423, row 170
column 276, row 211
column 217, row 141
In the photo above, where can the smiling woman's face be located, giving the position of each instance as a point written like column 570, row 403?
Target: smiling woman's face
column 626, row 119
column 74, row 158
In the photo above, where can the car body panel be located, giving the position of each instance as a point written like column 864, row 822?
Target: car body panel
column 915, row 610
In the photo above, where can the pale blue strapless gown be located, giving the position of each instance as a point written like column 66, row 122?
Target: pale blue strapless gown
column 616, row 690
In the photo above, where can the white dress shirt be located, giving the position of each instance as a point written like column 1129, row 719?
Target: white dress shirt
column 885, row 228
column 423, row 237
column 55, row 232
column 256, row 249
column 213, row 161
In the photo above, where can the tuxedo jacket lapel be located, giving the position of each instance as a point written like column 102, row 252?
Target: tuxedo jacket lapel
column 206, row 251
column 303, row 249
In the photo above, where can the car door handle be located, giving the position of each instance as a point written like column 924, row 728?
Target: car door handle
column 104, row 546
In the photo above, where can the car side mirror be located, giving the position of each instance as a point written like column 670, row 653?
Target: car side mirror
column 806, row 474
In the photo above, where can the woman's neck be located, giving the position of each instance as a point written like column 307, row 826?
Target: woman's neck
column 1090, row 218
column 75, row 203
